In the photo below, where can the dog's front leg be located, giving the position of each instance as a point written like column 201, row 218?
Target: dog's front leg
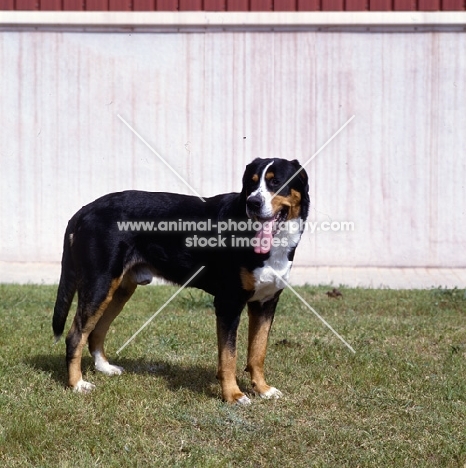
column 260, row 322
column 227, row 327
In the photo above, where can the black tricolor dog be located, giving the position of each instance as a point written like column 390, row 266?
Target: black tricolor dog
column 105, row 263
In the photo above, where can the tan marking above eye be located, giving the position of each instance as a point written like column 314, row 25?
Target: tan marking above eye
column 255, row 178
column 269, row 175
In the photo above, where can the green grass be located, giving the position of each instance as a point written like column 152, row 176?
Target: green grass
column 399, row 401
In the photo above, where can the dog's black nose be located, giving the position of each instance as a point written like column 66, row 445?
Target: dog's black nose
column 254, row 203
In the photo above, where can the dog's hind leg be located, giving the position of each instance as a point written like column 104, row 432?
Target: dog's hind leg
column 97, row 336
column 93, row 299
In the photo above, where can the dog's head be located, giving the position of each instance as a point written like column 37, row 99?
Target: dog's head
column 276, row 190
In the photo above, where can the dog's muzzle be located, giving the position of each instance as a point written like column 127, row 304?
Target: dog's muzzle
column 254, row 206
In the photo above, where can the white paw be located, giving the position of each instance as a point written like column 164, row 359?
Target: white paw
column 244, row 400
column 109, row 369
column 102, row 365
column 272, row 393
column 83, row 387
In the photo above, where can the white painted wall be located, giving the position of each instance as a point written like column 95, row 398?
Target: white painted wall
column 211, row 102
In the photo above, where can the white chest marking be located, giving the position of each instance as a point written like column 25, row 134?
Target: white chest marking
column 267, row 283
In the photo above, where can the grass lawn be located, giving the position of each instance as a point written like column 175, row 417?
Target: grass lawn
column 399, row 401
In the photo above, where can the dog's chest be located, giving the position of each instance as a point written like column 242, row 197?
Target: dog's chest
column 268, row 277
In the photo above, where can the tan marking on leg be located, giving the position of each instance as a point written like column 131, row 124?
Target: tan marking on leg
column 247, row 280
column 292, row 201
column 119, row 299
column 74, row 366
column 226, row 373
column 258, row 333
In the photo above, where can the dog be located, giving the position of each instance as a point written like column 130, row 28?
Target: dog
column 105, row 263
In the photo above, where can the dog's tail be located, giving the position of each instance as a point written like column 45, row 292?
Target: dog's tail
column 67, row 286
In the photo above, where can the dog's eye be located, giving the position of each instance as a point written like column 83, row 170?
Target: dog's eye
column 274, row 182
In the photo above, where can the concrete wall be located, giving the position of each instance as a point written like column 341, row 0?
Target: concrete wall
column 211, row 102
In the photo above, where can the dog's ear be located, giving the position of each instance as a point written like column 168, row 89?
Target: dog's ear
column 302, row 175
column 304, row 180
column 254, row 163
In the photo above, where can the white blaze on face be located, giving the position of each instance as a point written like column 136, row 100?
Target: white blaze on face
column 266, row 196
column 264, row 235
